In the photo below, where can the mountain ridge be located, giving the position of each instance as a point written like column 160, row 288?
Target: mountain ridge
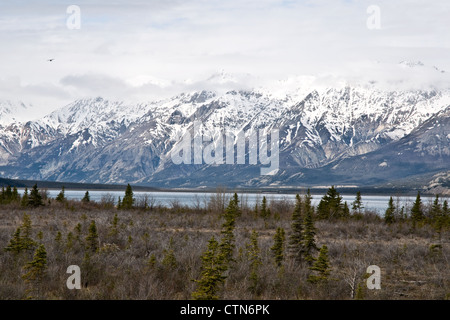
column 101, row 141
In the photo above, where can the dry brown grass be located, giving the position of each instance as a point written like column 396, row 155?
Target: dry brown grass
column 122, row 267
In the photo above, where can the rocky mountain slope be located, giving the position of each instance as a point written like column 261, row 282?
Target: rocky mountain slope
column 345, row 134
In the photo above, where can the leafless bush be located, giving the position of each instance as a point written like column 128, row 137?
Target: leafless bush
column 45, row 194
column 175, row 205
column 282, row 207
column 131, row 261
column 218, row 201
column 145, row 201
column 108, row 201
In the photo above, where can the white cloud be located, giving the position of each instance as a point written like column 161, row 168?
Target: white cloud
column 145, row 49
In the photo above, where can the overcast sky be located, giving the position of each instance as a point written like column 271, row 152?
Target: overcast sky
column 143, row 50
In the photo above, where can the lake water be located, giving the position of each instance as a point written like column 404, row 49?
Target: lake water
column 376, row 203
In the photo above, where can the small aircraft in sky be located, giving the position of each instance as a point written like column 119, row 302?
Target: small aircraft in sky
column 51, row 59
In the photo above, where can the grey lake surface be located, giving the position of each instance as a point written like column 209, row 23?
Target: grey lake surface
column 377, row 203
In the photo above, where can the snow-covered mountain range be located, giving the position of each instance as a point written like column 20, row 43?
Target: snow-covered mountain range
column 341, row 134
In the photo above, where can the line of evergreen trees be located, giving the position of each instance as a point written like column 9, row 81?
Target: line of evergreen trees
column 330, row 207
column 219, row 256
column 298, row 243
column 9, row 195
column 301, row 246
column 437, row 215
column 28, row 199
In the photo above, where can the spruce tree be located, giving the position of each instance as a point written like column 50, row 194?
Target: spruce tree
column 86, row 197
column 40, row 236
column 35, row 198
column 437, row 216
column 238, row 208
column 256, row 210
column 323, row 213
column 92, row 237
column 37, row 267
column 278, row 246
column 357, row 204
column 15, row 243
column 227, row 244
column 69, row 242
column 58, row 238
column 128, row 200
column 169, row 260
column 15, row 195
column 130, row 242
column 61, row 196
column 436, row 209
column 445, row 214
column 359, row 292
column 114, row 231
column 402, row 214
column 27, row 241
column 253, row 253
column 416, row 210
column 330, row 206
column 152, row 261
column 211, row 275
column 8, row 194
column 321, row 267
column 25, row 199
column 21, row 239
column 77, row 230
column 264, row 211
column 345, row 211
column 309, row 231
column 58, row 246
column 296, row 237
column 389, row 216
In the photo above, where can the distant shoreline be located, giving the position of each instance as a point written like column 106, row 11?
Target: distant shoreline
column 52, row 185
column 343, row 189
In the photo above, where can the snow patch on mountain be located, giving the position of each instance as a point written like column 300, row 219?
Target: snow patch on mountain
column 12, row 112
column 318, row 124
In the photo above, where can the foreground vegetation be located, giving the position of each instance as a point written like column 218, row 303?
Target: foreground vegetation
column 132, row 249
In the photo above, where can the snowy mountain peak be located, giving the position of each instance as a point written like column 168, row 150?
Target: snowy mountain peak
column 411, row 64
column 92, row 113
column 421, row 65
column 107, row 141
column 11, row 112
column 438, row 70
column 223, row 77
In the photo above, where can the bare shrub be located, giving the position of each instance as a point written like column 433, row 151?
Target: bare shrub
column 282, row 207
column 45, row 194
column 130, row 262
column 219, row 200
column 145, row 201
column 107, row 201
